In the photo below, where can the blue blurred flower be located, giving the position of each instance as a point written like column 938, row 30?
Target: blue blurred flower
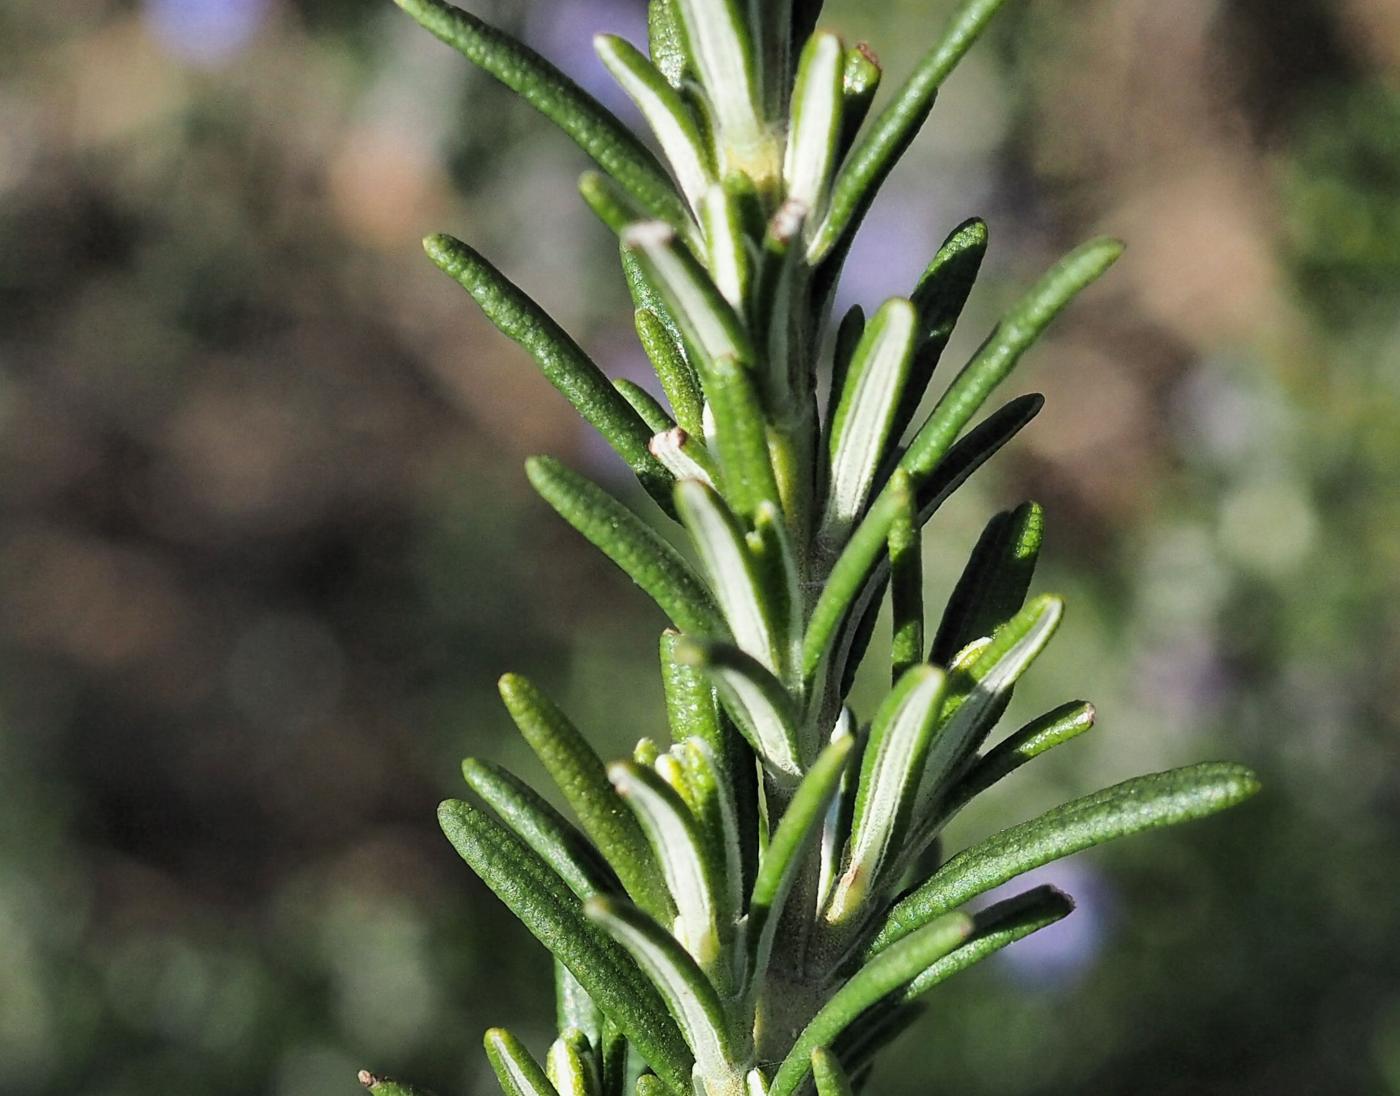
column 204, row 32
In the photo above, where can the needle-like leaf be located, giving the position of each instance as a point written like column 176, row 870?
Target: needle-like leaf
column 570, row 1066
column 685, row 456
column 643, row 554
column 1003, row 348
column 881, row 976
column 679, row 847
column 724, row 554
column 889, row 778
column 383, row 1086
column 1143, row 803
column 814, row 130
column 582, row 777
column 688, row 994
column 1040, row 734
column 726, row 250
column 994, row 583
column 573, row 1008
column 516, row 1069
column 677, row 378
column 741, row 436
column 830, row 1078
column 860, row 431
column 720, row 46
column 543, row 903
column 878, row 151
column 666, row 41
column 593, row 128
column 649, row 408
column 561, row 360
column 541, row 827
column 756, row 700
column 665, row 111
column 906, row 578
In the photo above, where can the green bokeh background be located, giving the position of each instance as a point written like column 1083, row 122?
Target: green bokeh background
column 266, row 544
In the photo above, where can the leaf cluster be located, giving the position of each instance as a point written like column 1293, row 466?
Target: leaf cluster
column 760, row 905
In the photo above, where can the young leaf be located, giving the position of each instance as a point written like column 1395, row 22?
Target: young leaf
column 644, row 555
column 383, row 1086
column 720, row 46
column 565, row 365
column 889, row 778
column 716, row 813
column 665, row 40
column 705, row 317
column 939, row 298
column 614, row 1060
column 860, row 431
column 665, row 111
column 1040, row 734
column 994, row 583
column 684, row 456
column 688, row 994
column 860, row 79
column 677, row 378
column 648, row 408
column 570, row 1066
column 593, row 128
column 726, row 250
column 679, row 847
column 754, row 699
column 554, row 915
column 580, row 774
column 573, row 1008
column 775, row 558
column 741, row 437
column 878, row 151
column 787, row 848
column 515, row 1068
column 690, row 698
column 1143, row 803
column 814, row 130
column 541, row 827
column 978, row 695
column 1003, row 348
column 878, row 978
column 830, row 1078
column 906, row 579
column 724, row 553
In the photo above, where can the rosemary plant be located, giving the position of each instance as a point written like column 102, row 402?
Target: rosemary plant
column 760, row 906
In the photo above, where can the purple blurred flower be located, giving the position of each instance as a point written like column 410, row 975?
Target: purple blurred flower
column 1058, row 956
column 204, row 32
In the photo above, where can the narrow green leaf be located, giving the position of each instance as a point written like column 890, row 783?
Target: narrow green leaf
column 787, row 849
column 383, row 1086
column 939, row 297
column 830, row 1078
column 581, row 776
column 994, row 583
column 515, row 1067
column 561, row 360
column 685, row 863
column 860, row 79
column 666, row 113
column 644, row 555
column 754, row 699
column 707, row 320
column 665, row 40
column 689, row 996
column 877, row 152
column 855, row 578
column 690, row 698
column 615, row 207
column 716, row 813
column 684, row 456
column 881, row 976
column 555, row 917
column 541, row 827
column 782, row 308
column 570, row 1065
column 860, row 432
column 814, row 129
column 891, row 767
column 1003, row 348
column 648, row 1084
column 614, row 1060
column 677, row 378
column 1143, row 803
column 593, row 128
column 741, row 437
column 906, row 579
column 647, row 407
column 775, row 559
column 993, row 929
column 724, row 554
column 719, row 44
column 848, row 335
column 978, row 695
column 755, row 1083
column 1040, row 734
column 574, row 1009
column 726, row 250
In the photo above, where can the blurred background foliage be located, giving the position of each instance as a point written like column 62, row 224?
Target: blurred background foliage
column 266, row 544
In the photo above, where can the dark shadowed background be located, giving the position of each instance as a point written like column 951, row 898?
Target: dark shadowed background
column 265, row 543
